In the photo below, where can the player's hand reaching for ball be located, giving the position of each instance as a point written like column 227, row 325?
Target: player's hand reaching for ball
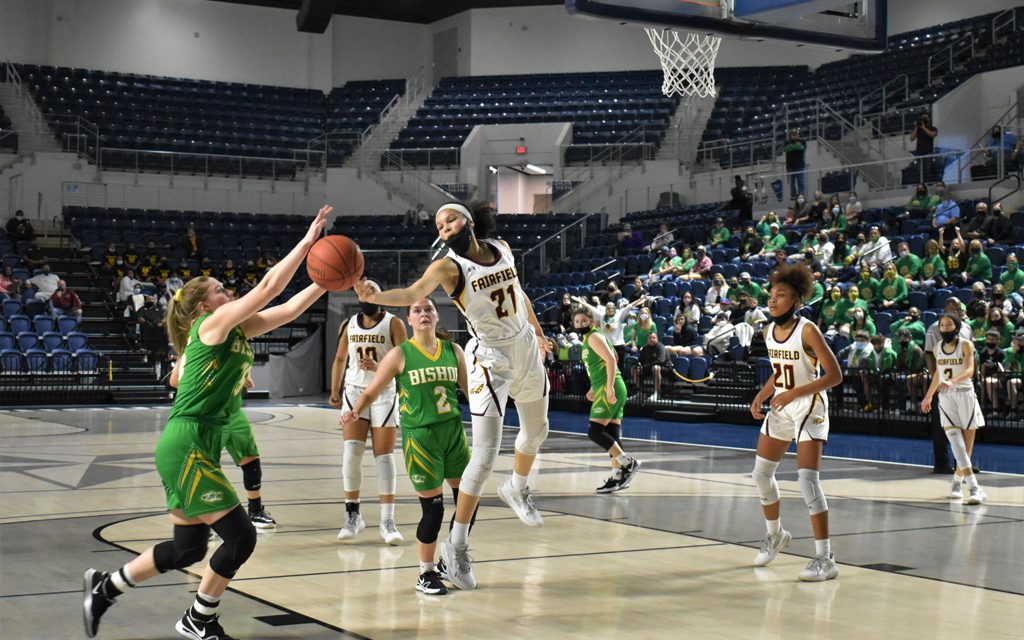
column 365, row 291
column 316, row 228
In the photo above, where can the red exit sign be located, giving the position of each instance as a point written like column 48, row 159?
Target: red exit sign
column 521, row 149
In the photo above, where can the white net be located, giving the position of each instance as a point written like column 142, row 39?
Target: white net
column 688, row 61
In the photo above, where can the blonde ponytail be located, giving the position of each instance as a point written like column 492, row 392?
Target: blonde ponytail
column 183, row 310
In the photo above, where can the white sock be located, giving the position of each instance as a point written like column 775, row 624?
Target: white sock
column 387, row 511
column 518, row 481
column 426, row 567
column 460, row 533
column 206, row 604
column 122, row 580
column 623, row 459
column 774, row 526
column 971, row 480
column 822, row 547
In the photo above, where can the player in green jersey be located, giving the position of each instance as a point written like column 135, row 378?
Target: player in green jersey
column 211, row 332
column 607, row 395
column 427, row 370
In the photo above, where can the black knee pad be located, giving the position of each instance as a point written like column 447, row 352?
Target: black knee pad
column 252, row 475
column 430, row 521
column 614, row 431
column 239, row 537
column 599, row 435
column 187, row 548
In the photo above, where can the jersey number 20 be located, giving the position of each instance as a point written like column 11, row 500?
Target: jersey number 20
column 784, row 375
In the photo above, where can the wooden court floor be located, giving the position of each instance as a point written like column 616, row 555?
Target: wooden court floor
column 670, row 557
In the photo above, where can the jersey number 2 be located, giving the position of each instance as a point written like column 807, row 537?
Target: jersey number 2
column 498, row 296
column 442, row 400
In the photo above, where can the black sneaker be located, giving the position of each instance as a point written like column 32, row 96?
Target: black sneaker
column 430, row 584
column 442, row 571
column 629, row 472
column 610, row 485
column 94, row 603
column 200, row 630
column 262, row 520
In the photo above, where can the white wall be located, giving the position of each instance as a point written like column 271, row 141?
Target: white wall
column 910, row 15
column 366, row 49
column 964, row 114
column 179, row 38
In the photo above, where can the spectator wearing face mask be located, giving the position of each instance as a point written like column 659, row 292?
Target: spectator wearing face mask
column 45, row 283
column 774, row 240
column 575, row 347
column 912, row 324
column 860, row 320
column 876, row 252
column 718, row 338
column 661, row 262
column 933, row 268
column 750, row 245
column 845, row 311
column 719, row 234
column 892, row 289
column 910, row 366
column 65, row 302
column 717, row 298
column 990, row 359
column 748, row 286
column 19, row 229
column 870, row 288
column 853, row 360
column 908, row 265
column 701, row 266
column 875, row 377
column 979, row 266
column 996, row 321
column 947, row 212
column 853, row 209
column 828, row 318
column 922, row 204
column 1013, row 280
column 1013, row 362
column 128, row 285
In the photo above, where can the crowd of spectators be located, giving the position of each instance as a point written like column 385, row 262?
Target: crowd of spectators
column 872, row 298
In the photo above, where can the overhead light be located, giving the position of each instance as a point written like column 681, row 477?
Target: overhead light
column 493, row 170
column 532, row 168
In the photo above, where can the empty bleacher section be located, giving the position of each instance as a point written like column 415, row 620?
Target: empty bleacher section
column 603, row 108
column 352, row 110
column 918, row 68
column 201, row 126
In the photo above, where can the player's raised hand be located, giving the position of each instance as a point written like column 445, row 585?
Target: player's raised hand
column 316, row 228
column 365, row 291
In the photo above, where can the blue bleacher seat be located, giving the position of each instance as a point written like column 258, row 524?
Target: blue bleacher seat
column 11, row 307
column 8, row 340
column 681, row 365
column 11, row 361
column 87, row 360
column 67, row 324
column 62, row 361
column 918, row 299
column 19, row 323
column 698, row 368
column 77, row 341
column 52, row 340
column 28, row 340
column 42, row 323
column 36, row 360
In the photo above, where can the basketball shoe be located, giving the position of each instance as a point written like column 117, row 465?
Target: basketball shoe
column 629, row 472
column 975, row 495
column 389, row 532
column 261, row 519
column 820, row 568
column 94, row 604
column 430, row 584
column 521, row 502
column 771, row 545
column 196, row 629
column 457, row 565
column 957, row 490
column 354, row 524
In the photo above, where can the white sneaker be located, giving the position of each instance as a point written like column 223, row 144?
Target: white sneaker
column 458, row 566
column 389, row 532
column 354, row 523
column 521, row 502
column 820, row 568
column 975, row 496
column 771, row 545
column 957, row 490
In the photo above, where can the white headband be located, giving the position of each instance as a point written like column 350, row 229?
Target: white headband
column 454, row 206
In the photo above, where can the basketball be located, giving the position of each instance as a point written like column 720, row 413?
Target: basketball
column 335, row 263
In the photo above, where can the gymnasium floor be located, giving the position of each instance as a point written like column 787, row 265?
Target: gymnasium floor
column 671, row 555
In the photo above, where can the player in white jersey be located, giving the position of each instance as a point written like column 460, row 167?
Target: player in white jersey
column 505, row 357
column 362, row 343
column 798, row 411
column 959, row 412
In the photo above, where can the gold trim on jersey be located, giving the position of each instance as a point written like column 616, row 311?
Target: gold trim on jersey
column 414, row 455
column 432, row 358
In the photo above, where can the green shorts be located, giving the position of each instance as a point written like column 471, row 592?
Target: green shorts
column 601, row 410
column 188, row 461
column 238, row 439
column 435, row 452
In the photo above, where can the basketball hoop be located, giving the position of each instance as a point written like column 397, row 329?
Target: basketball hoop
column 688, row 61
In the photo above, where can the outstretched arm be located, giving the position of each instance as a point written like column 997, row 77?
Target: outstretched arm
column 274, row 317
column 440, row 273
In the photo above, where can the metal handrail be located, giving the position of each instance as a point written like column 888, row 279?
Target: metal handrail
column 997, row 25
column 12, row 76
column 541, row 246
column 948, row 54
column 297, row 162
column 991, row 188
column 902, row 83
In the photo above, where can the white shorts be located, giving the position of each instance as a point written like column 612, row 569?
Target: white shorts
column 806, row 418
column 495, row 373
column 960, row 408
column 382, row 413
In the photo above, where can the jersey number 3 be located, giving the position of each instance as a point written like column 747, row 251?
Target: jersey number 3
column 498, row 296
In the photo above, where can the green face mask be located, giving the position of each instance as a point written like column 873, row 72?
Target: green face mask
column 853, row 296
column 1011, row 266
column 865, row 275
column 836, row 295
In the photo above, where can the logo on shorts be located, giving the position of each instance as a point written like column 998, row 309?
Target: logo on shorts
column 212, row 497
column 598, row 409
column 477, row 389
column 819, row 420
column 417, row 478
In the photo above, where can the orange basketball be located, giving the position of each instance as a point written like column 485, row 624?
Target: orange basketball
column 335, row 263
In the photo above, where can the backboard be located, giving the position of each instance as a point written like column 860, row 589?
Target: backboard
column 858, row 25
